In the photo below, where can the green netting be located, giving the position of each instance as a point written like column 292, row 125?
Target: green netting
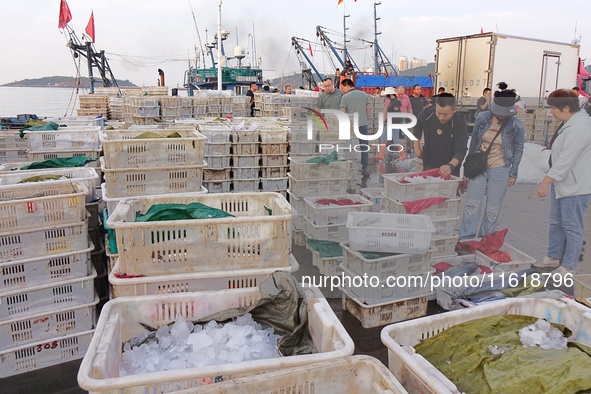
column 463, row 354
column 333, row 156
column 194, row 210
column 151, row 134
column 325, row 248
column 41, row 178
column 77, row 161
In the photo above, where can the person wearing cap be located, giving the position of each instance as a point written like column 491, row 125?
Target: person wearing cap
column 568, row 183
column 502, row 164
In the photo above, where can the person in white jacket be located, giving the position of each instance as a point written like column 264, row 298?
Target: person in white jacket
column 569, row 182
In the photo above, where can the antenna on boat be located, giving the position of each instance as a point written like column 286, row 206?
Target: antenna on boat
column 198, row 35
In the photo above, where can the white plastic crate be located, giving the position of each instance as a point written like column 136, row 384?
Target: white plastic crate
column 356, row 374
column 417, row 191
column 245, row 172
column 245, row 136
column 219, row 134
column 389, row 232
column 36, row 299
column 112, row 257
column 245, row 148
column 217, row 186
column 245, row 185
column 302, row 170
column 310, row 188
column 41, row 204
column 274, row 160
column 246, row 161
column 274, row 148
column 217, row 175
column 48, row 325
column 296, row 202
column 274, row 184
column 251, row 239
column 118, row 323
column 17, row 274
column 418, row 376
column 519, row 260
column 128, row 182
column 385, row 289
column 303, row 148
column 273, row 136
column 323, row 215
column 299, row 221
column 274, row 172
column 68, row 138
column 60, row 154
column 217, row 149
column 10, row 140
column 392, row 265
column 217, row 162
column 43, row 241
column 583, row 288
column 13, row 155
column 188, row 282
column 384, row 313
column 445, row 210
column 445, row 227
column 333, row 232
column 446, row 246
column 374, row 195
column 328, row 266
column 298, row 236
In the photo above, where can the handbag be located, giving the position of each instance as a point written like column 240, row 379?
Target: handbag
column 476, row 163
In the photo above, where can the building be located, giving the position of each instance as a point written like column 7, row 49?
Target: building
column 416, row 62
column 402, row 63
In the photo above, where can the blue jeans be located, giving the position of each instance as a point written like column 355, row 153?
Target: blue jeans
column 364, row 155
column 566, row 225
column 494, row 184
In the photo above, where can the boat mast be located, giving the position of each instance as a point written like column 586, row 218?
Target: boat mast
column 345, row 28
column 219, row 44
column 376, row 48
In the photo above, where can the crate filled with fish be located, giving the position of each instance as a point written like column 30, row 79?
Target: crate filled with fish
column 413, row 186
column 435, row 207
column 327, row 210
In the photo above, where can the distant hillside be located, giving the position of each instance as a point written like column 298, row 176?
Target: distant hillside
column 61, row 82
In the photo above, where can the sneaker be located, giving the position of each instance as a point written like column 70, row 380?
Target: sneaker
column 563, row 271
column 365, row 173
column 546, row 262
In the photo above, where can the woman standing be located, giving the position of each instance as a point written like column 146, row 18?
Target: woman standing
column 505, row 131
column 569, row 181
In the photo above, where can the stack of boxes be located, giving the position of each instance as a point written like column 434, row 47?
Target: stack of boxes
column 218, row 175
column 245, row 160
column 141, row 110
column 13, row 149
column 274, row 158
column 170, row 108
column 47, row 297
column 93, row 105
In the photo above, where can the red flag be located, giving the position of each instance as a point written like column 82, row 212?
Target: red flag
column 90, row 26
column 310, row 48
column 481, row 31
column 340, row 2
column 65, row 15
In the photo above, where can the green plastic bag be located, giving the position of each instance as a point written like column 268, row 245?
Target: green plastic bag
column 333, row 156
column 325, row 248
column 76, row 161
column 194, row 210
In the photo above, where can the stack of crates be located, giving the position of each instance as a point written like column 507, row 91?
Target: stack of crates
column 246, row 160
column 393, row 251
column 240, row 105
column 211, row 254
column 186, row 107
column 274, row 158
column 217, row 177
column 528, row 123
column 273, row 104
column 93, row 105
column 141, row 110
column 13, row 149
column 47, row 294
column 544, row 126
column 199, row 106
column 170, row 108
column 444, row 215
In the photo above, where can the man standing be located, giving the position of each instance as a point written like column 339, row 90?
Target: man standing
column 330, row 98
column 287, row 89
column 417, row 100
column 482, row 103
column 250, row 93
column 446, row 136
column 357, row 102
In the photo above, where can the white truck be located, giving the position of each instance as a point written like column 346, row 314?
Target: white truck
column 534, row 68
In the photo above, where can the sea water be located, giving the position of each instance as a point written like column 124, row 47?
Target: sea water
column 44, row 102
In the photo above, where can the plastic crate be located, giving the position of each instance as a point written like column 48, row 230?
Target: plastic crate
column 245, row 148
column 374, row 195
column 245, row 172
column 111, row 256
column 152, row 180
column 328, row 266
column 389, row 232
column 323, row 215
column 274, row 148
column 118, row 323
column 274, row 172
column 303, row 148
column 273, row 136
column 13, row 155
column 215, row 175
column 251, row 239
column 246, row 161
column 245, row 136
column 17, row 274
column 199, row 281
column 217, row 135
column 417, row 375
column 333, row 232
column 302, row 170
column 296, row 202
column 43, row 241
column 446, row 246
column 41, row 204
column 417, row 191
column 385, row 289
column 36, row 299
column 316, row 187
column 519, row 260
column 384, row 313
column 356, row 374
column 10, row 140
column 445, row 227
column 217, row 149
column 274, row 160
column 217, row 162
column 246, row 185
column 393, row 265
column 583, row 288
column 217, row 186
column 68, row 138
column 445, row 210
column 298, row 236
column 42, row 156
column 47, row 325
column 274, row 184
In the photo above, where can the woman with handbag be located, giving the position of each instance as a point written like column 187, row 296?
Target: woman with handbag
column 496, row 148
column 568, row 181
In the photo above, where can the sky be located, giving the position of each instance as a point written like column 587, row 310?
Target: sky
column 141, row 36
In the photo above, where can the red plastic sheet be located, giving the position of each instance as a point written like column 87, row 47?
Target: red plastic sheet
column 434, row 172
column 340, row 201
column 419, row 206
column 489, row 245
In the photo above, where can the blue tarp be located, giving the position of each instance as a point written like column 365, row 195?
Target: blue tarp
column 381, row 81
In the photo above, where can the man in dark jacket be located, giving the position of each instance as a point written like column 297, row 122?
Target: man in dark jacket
column 446, row 136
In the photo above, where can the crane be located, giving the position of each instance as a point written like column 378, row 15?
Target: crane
column 381, row 61
column 306, row 72
column 331, row 44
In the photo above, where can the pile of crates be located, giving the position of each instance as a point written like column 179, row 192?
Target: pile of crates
column 386, row 247
column 141, row 110
column 217, row 177
column 47, row 293
column 13, row 149
column 93, row 105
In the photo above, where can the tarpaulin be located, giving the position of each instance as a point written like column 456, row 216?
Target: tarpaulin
column 332, row 156
column 325, row 248
column 419, row 206
column 194, row 210
column 489, row 245
column 76, row 161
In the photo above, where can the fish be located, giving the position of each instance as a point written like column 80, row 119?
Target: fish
column 499, row 282
column 466, row 268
